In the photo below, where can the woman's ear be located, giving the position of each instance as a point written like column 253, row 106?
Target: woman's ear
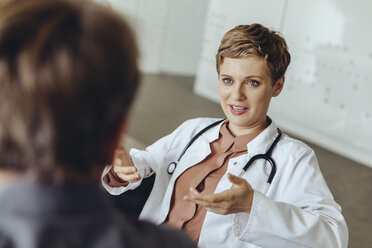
column 278, row 86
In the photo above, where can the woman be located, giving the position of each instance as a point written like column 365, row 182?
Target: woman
column 208, row 194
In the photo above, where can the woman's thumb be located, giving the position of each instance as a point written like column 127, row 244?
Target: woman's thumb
column 236, row 180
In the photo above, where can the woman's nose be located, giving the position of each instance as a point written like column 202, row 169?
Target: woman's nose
column 238, row 92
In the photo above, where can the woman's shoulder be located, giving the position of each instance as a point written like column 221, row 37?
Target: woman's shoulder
column 295, row 146
column 287, row 143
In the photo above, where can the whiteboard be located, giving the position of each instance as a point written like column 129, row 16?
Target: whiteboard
column 329, row 83
column 326, row 98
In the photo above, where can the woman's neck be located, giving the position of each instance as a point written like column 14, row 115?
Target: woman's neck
column 240, row 130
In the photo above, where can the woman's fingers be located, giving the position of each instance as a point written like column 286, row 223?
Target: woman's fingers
column 127, row 173
column 206, row 200
column 122, row 157
column 194, row 191
column 215, row 200
column 238, row 181
column 234, row 200
column 124, row 167
column 131, row 178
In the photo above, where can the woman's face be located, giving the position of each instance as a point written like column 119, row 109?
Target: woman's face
column 245, row 87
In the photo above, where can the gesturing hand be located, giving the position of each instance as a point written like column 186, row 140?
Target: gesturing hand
column 124, row 167
column 237, row 199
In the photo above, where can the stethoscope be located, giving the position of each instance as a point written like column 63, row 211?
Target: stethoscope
column 267, row 156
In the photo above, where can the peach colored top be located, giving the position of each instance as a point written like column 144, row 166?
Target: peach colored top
column 204, row 177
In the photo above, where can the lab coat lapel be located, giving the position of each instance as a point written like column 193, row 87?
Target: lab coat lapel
column 257, row 174
column 198, row 151
column 263, row 141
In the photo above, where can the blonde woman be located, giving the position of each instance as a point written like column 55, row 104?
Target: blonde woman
column 279, row 200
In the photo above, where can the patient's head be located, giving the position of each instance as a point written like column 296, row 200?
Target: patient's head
column 68, row 74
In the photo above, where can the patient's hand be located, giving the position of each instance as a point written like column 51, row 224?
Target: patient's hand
column 124, row 167
column 237, row 199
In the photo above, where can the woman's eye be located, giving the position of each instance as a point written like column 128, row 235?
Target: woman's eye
column 253, row 83
column 227, row 80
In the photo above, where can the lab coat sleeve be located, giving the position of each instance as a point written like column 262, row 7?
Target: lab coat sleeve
column 304, row 215
column 154, row 158
column 120, row 189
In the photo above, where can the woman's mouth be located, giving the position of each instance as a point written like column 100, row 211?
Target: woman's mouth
column 237, row 110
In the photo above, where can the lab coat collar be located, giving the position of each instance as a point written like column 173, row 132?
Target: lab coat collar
column 214, row 133
column 258, row 145
column 263, row 141
column 198, row 151
column 235, row 144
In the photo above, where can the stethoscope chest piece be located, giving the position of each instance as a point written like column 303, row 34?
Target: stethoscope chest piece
column 171, row 168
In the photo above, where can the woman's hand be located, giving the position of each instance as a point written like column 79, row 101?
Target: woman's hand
column 124, row 167
column 237, row 199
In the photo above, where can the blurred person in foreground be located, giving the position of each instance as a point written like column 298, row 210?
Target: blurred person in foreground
column 68, row 75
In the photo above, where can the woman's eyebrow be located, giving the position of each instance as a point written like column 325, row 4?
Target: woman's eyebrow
column 247, row 77
column 225, row 75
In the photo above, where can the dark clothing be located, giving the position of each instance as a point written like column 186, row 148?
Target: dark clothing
column 74, row 215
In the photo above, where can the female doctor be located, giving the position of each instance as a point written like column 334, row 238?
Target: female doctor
column 279, row 200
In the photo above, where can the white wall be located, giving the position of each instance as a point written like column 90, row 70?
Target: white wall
column 327, row 96
column 169, row 32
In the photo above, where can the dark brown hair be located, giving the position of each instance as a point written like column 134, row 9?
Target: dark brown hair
column 68, row 75
column 255, row 39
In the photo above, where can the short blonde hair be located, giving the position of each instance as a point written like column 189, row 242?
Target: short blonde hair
column 255, row 39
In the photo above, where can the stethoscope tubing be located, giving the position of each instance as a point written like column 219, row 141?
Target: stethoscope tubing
column 197, row 136
column 267, row 156
column 172, row 166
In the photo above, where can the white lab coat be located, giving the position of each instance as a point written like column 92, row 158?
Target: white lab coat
column 296, row 210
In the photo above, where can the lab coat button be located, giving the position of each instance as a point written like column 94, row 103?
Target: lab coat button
column 235, row 163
